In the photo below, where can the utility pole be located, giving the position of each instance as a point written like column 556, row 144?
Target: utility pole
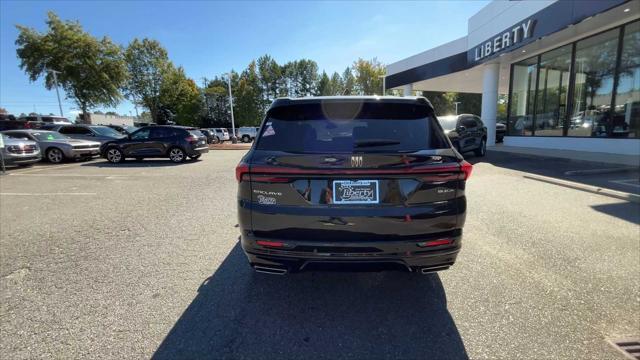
column 456, row 103
column 384, row 84
column 55, row 80
column 234, row 140
column 204, row 94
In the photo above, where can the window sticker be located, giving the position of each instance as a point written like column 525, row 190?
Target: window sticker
column 50, row 137
column 269, row 131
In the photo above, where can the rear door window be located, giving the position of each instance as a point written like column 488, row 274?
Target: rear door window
column 346, row 127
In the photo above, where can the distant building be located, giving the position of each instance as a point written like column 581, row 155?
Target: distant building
column 102, row 119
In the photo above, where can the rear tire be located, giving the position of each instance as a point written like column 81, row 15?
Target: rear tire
column 482, row 150
column 115, row 155
column 177, row 155
column 55, row 155
column 246, row 138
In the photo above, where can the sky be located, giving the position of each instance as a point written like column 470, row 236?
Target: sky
column 209, row 38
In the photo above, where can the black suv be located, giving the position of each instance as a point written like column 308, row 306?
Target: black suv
column 361, row 183
column 174, row 142
column 466, row 132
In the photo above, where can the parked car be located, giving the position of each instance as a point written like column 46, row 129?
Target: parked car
column 98, row 133
column 466, row 132
column 37, row 121
column 124, row 129
column 221, row 134
column 501, row 130
column 208, row 133
column 19, row 151
column 246, row 133
column 174, row 142
column 367, row 183
column 57, row 147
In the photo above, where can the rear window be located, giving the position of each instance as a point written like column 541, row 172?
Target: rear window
column 351, row 127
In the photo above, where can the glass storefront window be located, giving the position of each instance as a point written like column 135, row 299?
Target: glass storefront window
column 626, row 115
column 595, row 68
column 522, row 96
column 553, row 86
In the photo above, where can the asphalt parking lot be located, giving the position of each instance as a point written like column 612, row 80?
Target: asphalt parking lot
column 141, row 260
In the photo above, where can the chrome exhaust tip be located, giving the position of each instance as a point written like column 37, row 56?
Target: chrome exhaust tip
column 270, row 270
column 430, row 270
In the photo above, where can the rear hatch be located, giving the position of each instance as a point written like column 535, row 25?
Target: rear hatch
column 353, row 172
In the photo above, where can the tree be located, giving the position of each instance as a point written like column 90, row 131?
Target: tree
column 348, row 82
column 335, row 85
column 112, row 113
column 247, row 106
column 96, row 112
column 180, row 96
column 92, row 71
column 368, row 75
column 324, row 84
column 148, row 64
column 3, row 111
column 269, row 76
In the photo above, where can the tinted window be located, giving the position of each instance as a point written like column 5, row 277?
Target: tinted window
column 68, row 130
column 347, row 127
column 19, row 135
column 469, row 122
column 49, row 135
column 161, row 132
column 141, row 134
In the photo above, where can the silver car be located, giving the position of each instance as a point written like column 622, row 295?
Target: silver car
column 56, row 147
column 19, row 151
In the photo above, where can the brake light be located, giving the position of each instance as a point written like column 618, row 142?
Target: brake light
column 192, row 139
column 435, row 243
column 466, row 168
column 241, row 169
column 269, row 179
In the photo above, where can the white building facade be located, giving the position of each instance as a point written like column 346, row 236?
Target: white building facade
column 570, row 70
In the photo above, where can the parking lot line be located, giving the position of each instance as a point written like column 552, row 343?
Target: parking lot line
column 48, row 194
column 41, row 168
column 628, row 182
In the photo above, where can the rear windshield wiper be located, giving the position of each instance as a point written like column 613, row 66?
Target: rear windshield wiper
column 375, row 142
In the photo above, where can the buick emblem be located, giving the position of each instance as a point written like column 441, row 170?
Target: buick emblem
column 356, row 161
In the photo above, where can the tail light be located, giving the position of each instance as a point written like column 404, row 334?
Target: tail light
column 27, row 125
column 191, row 139
column 241, row 169
column 466, row 169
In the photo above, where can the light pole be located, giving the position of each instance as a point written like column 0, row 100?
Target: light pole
column 234, row 140
column 456, row 103
column 384, row 84
column 55, row 81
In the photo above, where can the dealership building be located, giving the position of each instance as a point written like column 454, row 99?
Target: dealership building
column 569, row 69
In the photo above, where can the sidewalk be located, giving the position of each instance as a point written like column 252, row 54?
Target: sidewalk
column 604, row 158
column 604, row 174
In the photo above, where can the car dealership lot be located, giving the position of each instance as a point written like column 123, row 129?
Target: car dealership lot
column 141, row 259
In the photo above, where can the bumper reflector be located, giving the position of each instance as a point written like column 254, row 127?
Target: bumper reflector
column 435, row 242
column 270, row 243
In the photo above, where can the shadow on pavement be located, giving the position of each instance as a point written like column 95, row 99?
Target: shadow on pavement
column 626, row 211
column 557, row 168
column 241, row 314
column 131, row 163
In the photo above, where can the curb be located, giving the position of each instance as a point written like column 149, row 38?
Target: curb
column 601, row 171
column 588, row 188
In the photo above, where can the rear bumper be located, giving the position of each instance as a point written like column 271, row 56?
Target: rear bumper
column 299, row 256
column 199, row 150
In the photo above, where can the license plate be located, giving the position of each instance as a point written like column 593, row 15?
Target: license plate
column 355, row 192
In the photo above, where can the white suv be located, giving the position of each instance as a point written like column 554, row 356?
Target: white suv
column 247, row 134
column 221, row 134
